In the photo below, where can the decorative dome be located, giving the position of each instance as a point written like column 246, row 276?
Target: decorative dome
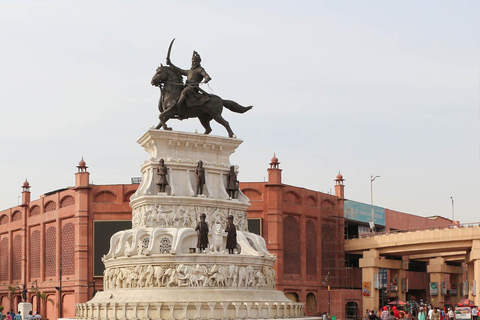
column 339, row 176
column 274, row 159
column 26, row 184
column 82, row 164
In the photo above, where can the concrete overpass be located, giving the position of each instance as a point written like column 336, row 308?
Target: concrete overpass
column 440, row 248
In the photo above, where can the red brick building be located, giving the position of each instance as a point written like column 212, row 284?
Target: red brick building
column 68, row 230
column 53, row 235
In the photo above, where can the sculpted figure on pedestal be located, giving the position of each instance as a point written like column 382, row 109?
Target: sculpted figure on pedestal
column 162, row 172
column 181, row 101
column 232, row 182
column 200, row 175
column 231, row 235
column 202, row 232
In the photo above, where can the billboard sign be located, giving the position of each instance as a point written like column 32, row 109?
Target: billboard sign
column 453, row 289
column 433, row 288
column 362, row 212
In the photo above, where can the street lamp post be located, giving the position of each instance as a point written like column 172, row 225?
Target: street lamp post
column 327, row 281
column 59, row 288
column 372, row 178
column 453, row 211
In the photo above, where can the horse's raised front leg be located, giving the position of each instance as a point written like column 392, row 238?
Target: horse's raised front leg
column 205, row 121
column 224, row 123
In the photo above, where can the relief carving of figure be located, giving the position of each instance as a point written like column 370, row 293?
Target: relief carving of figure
column 250, row 276
column 260, row 278
column 242, row 277
column 162, row 172
column 120, row 277
column 200, row 175
column 218, row 276
column 162, row 217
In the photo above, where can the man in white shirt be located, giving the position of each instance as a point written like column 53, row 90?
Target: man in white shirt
column 475, row 313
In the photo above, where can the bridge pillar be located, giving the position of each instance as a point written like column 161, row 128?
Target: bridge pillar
column 437, row 270
column 473, row 260
column 370, row 263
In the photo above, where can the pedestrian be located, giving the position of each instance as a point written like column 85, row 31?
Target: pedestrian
column 421, row 314
column 18, row 316
column 29, row 316
column 430, row 311
column 37, row 316
column 475, row 313
column 372, row 315
column 9, row 316
column 396, row 313
column 435, row 314
column 385, row 315
column 392, row 316
column 450, row 313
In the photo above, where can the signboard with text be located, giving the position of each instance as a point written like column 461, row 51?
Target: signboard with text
column 362, row 212
column 453, row 289
column 433, row 288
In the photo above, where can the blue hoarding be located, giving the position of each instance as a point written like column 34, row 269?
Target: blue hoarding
column 362, row 212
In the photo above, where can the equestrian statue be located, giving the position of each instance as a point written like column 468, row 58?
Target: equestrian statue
column 181, row 100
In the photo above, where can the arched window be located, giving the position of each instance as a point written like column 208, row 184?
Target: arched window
column 50, row 252
column 17, row 257
column 328, row 250
column 291, row 246
column 34, row 263
column 105, row 196
column 50, row 206
column 68, row 249
column 67, row 202
column 311, row 305
column 34, row 211
column 4, row 261
column 311, row 235
column 292, row 296
column 4, row 219
column 16, row 216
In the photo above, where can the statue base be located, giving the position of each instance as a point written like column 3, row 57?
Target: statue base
column 25, row 308
column 153, row 270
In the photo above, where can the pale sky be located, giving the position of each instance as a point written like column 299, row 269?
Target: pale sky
column 387, row 88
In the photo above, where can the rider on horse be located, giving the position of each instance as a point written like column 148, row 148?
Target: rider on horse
column 192, row 95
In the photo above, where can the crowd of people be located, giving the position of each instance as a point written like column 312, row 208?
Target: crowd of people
column 11, row 315
column 420, row 312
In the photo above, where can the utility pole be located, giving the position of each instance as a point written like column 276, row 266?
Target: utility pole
column 453, row 211
column 372, row 178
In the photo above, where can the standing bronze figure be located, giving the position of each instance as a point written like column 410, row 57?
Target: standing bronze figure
column 232, row 182
column 200, row 175
column 162, row 172
column 202, row 232
column 231, row 235
column 183, row 102
column 24, row 293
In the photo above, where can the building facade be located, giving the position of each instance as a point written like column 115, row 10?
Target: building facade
column 53, row 245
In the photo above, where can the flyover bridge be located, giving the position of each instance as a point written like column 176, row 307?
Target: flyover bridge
column 444, row 249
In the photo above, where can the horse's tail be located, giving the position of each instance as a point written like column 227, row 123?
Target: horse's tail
column 235, row 107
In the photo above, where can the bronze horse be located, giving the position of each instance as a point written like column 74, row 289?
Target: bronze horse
column 171, row 85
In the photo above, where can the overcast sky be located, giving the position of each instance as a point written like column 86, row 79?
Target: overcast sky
column 387, row 88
